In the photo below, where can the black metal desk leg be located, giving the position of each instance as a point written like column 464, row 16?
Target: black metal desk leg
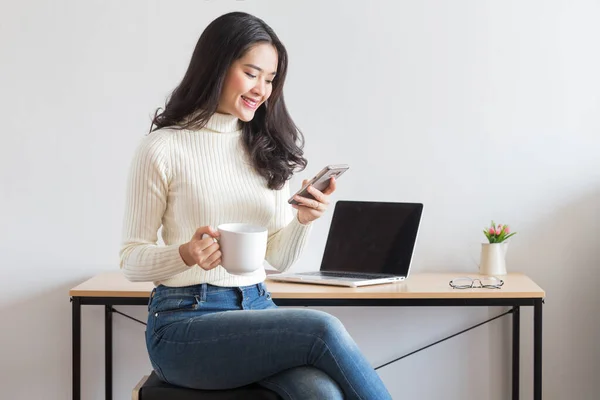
column 537, row 349
column 516, row 358
column 76, row 338
column 108, row 351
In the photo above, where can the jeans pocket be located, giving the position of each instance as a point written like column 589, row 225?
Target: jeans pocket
column 173, row 304
column 263, row 291
column 267, row 293
column 166, row 310
column 266, row 300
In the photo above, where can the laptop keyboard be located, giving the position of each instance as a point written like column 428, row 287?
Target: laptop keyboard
column 355, row 275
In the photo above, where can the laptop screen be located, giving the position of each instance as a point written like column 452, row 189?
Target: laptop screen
column 372, row 237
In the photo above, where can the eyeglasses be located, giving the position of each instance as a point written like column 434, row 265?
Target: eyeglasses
column 488, row 282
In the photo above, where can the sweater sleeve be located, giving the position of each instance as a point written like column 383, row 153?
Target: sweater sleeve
column 287, row 236
column 142, row 259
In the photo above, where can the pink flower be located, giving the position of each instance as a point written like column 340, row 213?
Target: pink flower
column 498, row 231
column 506, row 229
column 491, row 231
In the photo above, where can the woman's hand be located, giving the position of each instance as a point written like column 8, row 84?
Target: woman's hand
column 309, row 209
column 201, row 251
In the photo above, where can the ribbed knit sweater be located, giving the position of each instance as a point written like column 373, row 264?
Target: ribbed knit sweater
column 185, row 179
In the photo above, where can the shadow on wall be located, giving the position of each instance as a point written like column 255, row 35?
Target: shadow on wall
column 561, row 253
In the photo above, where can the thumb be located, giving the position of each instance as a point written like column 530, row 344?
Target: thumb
column 205, row 230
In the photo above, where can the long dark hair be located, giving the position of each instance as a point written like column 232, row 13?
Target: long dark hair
column 273, row 142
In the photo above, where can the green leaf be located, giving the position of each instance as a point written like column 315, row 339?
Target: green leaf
column 512, row 234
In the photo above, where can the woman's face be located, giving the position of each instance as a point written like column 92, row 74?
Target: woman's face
column 248, row 82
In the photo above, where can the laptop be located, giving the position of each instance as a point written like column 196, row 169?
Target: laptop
column 368, row 243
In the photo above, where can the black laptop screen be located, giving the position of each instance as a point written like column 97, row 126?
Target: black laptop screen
column 372, row 237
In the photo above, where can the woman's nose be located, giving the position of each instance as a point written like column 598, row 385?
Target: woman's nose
column 260, row 88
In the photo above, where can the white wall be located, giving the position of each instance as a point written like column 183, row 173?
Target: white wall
column 479, row 109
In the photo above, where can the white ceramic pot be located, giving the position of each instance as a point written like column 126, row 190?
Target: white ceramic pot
column 493, row 259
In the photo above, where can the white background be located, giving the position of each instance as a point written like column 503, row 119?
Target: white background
column 479, row 109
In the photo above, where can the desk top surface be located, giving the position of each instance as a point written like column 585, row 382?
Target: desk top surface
column 417, row 286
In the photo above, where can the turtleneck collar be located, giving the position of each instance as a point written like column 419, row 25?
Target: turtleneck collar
column 223, row 123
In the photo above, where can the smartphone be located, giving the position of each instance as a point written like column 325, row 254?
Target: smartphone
column 320, row 181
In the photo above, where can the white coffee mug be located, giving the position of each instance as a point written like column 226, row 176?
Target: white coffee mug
column 243, row 247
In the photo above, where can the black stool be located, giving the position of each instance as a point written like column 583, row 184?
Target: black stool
column 152, row 388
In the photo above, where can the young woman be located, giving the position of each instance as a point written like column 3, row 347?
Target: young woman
column 223, row 150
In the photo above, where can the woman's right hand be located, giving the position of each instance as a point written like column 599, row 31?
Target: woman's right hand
column 201, row 251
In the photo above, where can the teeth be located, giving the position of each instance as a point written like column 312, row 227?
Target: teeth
column 249, row 101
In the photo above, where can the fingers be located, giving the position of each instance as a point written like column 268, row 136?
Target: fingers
column 206, row 243
column 215, row 264
column 310, row 203
column 204, row 248
column 208, row 257
column 320, row 201
column 318, row 195
column 332, row 186
column 200, row 251
column 206, row 230
column 205, row 236
column 213, row 260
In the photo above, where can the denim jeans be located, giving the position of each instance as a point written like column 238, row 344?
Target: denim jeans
column 210, row 337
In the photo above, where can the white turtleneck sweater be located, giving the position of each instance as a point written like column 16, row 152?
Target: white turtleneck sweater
column 183, row 180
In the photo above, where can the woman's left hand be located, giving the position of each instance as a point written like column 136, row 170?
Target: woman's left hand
column 309, row 209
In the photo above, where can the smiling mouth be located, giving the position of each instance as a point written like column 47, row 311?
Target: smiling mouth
column 253, row 104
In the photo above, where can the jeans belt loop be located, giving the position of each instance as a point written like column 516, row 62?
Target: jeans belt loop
column 203, row 290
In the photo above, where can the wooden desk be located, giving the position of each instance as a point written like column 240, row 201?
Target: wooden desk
column 424, row 289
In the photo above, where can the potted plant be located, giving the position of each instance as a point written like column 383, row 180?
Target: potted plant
column 493, row 253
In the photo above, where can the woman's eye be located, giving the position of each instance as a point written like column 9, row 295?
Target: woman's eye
column 254, row 76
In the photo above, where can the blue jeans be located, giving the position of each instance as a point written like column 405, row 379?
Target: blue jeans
column 210, row 337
